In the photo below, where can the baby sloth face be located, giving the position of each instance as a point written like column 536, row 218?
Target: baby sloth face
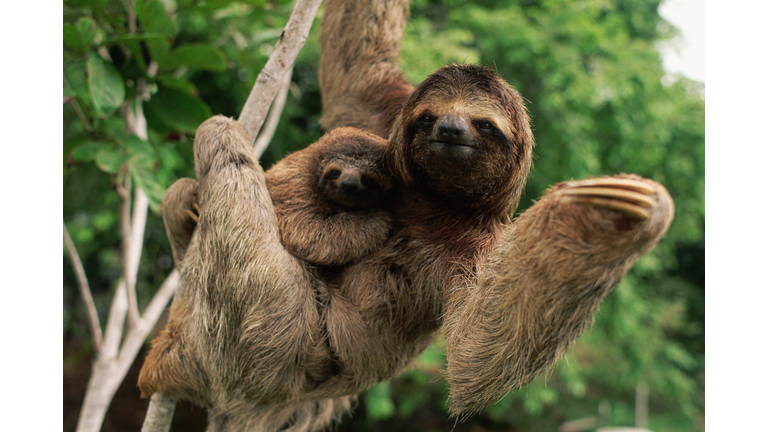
column 354, row 182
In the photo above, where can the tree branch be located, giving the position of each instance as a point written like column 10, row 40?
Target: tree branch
column 287, row 48
column 270, row 126
column 85, row 290
column 126, row 233
column 160, row 414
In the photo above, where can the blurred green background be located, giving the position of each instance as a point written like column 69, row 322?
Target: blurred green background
column 600, row 103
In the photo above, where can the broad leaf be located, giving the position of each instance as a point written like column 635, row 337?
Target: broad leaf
column 180, row 84
column 72, row 38
column 105, row 86
column 196, row 56
column 154, row 18
column 89, row 32
column 178, row 111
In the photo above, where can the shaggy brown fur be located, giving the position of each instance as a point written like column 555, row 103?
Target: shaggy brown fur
column 274, row 343
column 329, row 197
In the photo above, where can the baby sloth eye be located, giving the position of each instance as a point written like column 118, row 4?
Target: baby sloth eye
column 333, row 174
column 427, row 119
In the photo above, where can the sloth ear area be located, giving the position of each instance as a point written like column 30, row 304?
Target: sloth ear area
column 396, row 159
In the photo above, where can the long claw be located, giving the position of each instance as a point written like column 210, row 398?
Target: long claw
column 192, row 215
column 622, row 194
column 618, row 183
column 631, row 210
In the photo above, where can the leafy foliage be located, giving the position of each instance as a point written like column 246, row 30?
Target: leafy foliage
column 600, row 104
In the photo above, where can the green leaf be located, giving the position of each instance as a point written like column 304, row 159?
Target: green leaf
column 137, row 146
column 105, row 86
column 89, row 31
column 196, row 56
column 379, row 402
column 110, row 161
column 154, row 18
column 87, row 152
column 72, row 38
column 144, row 177
column 106, row 156
column 180, row 84
column 176, row 110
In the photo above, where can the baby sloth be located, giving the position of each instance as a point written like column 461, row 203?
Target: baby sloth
column 331, row 197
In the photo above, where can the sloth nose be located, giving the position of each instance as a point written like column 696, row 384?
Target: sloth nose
column 452, row 128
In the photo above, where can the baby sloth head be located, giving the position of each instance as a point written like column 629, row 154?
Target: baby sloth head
column 351, row 173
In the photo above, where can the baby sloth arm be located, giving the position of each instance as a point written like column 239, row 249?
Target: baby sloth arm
column 329, row 198
column 180, row 215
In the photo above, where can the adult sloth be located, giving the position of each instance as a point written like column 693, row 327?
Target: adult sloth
column 511, row 297
column 264, row 340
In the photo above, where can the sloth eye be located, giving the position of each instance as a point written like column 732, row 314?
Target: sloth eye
column 334, row 174
column 427, row 119
column 485, row 125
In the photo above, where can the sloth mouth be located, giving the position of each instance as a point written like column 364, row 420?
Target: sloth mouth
column 453, row 143
column 453, row 150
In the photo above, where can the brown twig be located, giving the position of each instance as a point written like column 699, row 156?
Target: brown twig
column 85, row 290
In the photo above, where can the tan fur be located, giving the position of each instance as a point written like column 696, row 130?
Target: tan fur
column 318, row 222
column 241, row 297
column 178, row 209
column 359, row 78
column 279, row 345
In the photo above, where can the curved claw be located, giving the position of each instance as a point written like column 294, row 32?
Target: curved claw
column 627, row 196
column 193, row 215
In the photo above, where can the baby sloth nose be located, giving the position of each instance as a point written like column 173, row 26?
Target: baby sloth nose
column 350, row 184
column 453, row 129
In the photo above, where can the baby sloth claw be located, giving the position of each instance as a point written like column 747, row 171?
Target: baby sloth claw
column 625, row 195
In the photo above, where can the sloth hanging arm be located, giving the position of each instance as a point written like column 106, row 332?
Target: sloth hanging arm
column 359, row 78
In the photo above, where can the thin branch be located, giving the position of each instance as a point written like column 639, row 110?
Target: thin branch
column 270, row 126
column 287, row 48
column 85, row 290
column 126, row 233
column 113, row 332
column 76, row 107
column 138, row 226
column 135, row 338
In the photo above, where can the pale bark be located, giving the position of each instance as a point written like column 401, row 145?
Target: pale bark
column 270, row 126
column 287, row 48
column 114, row 359
column 160, row 414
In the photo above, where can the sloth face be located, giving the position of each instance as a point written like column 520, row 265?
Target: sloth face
column 464, row 134
column 460, row 143
column 354, row 183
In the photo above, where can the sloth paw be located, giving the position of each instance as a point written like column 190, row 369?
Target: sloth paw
column 632, row 197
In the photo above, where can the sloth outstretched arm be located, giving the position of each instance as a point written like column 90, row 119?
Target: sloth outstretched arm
column 541, row 285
